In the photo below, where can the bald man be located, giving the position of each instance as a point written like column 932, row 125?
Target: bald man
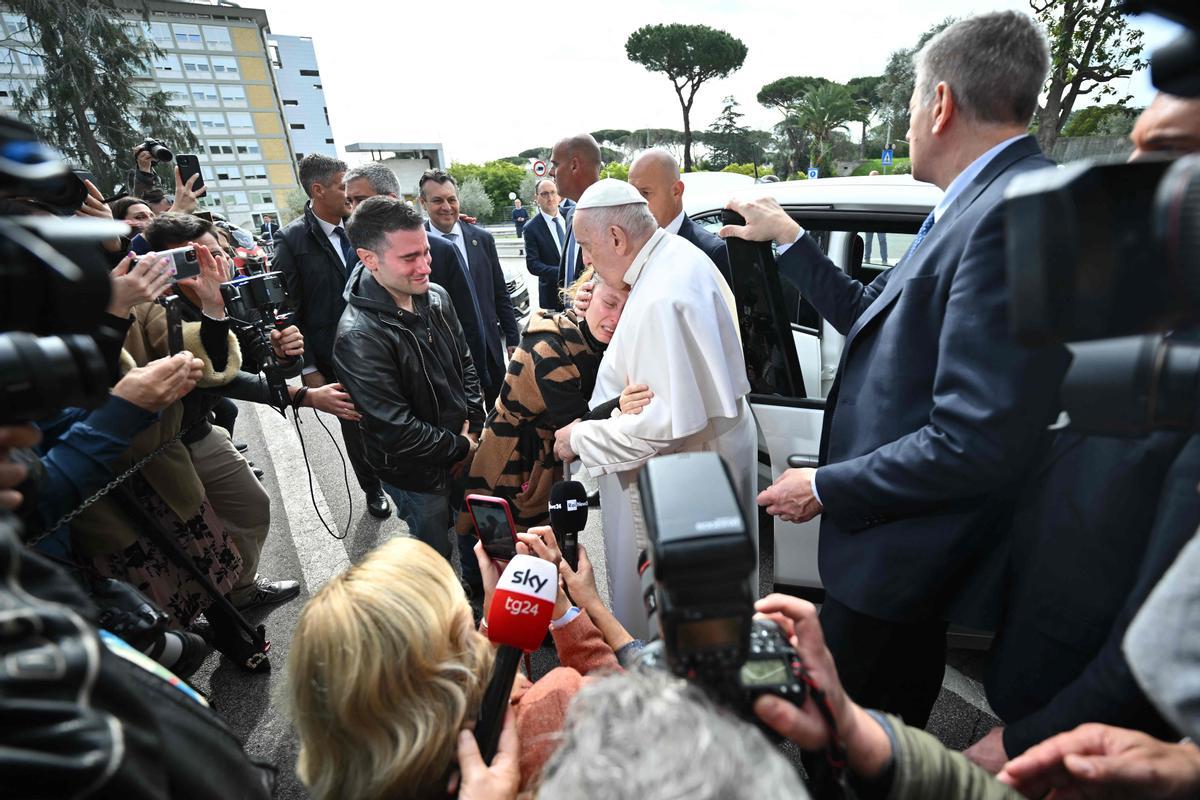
column 655, row 174
column 574, row 165
column 1169, row 125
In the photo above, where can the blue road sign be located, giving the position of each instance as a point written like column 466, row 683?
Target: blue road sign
column 887, row 157
column 813, row 173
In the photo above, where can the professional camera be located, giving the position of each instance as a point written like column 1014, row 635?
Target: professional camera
column 255, row 303
column 157, row 150
column 54, row 288
column 697, row 586
column 1103, row 250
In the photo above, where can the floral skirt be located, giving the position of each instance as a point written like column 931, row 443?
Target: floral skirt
column 145, row 565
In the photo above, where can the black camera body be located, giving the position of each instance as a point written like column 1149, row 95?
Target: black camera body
column 697, row 587
column 256, row 304
column 157, row 150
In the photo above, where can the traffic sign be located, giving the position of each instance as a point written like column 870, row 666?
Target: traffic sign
column 887, row 157
column 813, row 173
column 539, row 168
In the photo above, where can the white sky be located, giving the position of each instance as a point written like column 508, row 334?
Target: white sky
column 489, row 79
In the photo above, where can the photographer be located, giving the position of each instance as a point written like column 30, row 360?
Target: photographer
column 380, row 718
column 142, row 178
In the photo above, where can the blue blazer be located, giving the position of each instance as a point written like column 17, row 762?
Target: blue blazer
column 496, row 315
column 935, row 415
column 543, row 260
column 712, row 245
column 447, row 272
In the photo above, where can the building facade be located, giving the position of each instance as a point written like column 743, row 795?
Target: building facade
column 298, row 78
column 215, row 66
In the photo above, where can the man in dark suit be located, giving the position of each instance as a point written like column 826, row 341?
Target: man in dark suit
column 446, row 270
column 937, row 412
column 574, row 165
column 545, row 237
column 477, row 250
column 315, row 256
column 655, row 174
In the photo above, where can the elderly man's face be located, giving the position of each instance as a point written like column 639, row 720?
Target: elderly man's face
column 606, row 248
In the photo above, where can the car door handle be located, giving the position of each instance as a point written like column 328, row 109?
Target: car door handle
column 800, row 462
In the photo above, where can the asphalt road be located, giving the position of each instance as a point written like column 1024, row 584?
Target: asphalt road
column 307, row 482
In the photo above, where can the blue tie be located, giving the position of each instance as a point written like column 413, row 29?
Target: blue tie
column 348, row 252
column 921, row 234
column 562, row 240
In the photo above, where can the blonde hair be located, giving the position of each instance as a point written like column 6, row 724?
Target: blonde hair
column 385, row 666
column 589, row 274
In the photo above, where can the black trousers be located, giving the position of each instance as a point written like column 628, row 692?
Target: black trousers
column 890, row 666
column 367, row 479
column 225, row 414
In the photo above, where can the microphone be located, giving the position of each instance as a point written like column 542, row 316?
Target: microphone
column 521, row 610
column 568, row 516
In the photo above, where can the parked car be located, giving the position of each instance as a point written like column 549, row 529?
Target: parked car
column 791, row 353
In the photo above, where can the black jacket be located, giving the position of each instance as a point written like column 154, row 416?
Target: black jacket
column 315, row 280
column 447, row 272
column 543, row 259
column 412, row 379
column 712, row 245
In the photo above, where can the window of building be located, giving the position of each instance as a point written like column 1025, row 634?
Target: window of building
column 329, row 141
column 233, row 96
column 167, row 66
column 196, row 67
column 204, row 94
column 188, row 36
column 18, row 27
column 273, row 51
column 160, row 32
column 311, row 73
column 227, row 173
column 297, row 126
column 326, row 110
column 8, row 60
column 210, row 200
column 299, row 157
column 213, row 123
column 217, row 37
column 318, row 86
column 220, row 150
column 255, row 174
column 261, row 198
column 31, row 61
column 247, row 147
column 291, row 102
column 241, row 123
column 235, row 199
column 225, row 68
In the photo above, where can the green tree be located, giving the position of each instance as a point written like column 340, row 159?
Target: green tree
column 474, row 200
column 528, row 189
column 822, row 111
column 899, row 78
column 688, row 55
column 1091, row 45
column 1109, row 120
column 88, row 101
column 616, row 170
column 753, row 170
column 865, row 91
column 536, row 152
column 729, row 142
column 498, row 179
column 780, row 95
column 295, row 202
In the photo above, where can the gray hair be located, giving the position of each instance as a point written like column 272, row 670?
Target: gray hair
column 655, row 737
column 994, row 63
column 381, row 179
column 633, row 218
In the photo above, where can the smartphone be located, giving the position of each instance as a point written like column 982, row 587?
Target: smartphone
column 174, row 323
column 205, row 215
column 493, row 525
column 189, row 165
column 186, row 261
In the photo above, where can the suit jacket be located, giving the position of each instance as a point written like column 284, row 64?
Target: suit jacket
column 447, row 272
column 498, row 321
column 316, row 281
column 712, row 245
column 543, row 260
column 1099, row 523
column 935, row 414
column 569, row 216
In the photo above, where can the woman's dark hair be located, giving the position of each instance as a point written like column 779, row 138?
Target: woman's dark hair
column 175, row 230
column 120, row 208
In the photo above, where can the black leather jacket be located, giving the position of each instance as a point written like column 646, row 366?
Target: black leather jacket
column 411, row 377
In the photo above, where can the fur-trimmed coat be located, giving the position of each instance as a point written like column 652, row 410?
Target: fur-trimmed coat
column 550, row 378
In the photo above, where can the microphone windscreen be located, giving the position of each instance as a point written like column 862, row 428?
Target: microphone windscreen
column 568, row 507
column 523, row 603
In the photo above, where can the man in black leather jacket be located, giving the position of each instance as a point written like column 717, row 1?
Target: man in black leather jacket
column 400, row 352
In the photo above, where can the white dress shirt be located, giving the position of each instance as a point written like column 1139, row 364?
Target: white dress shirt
column 674, row 225
column 457, row 241
column 334, row 239
column 554, row 231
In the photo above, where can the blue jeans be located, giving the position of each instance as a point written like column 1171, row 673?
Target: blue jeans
column 427, row 515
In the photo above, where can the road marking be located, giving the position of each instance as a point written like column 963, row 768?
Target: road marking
column 321, row 556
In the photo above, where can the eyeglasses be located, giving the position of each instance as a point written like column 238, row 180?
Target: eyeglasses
column 547, row 194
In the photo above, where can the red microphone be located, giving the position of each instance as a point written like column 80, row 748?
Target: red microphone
column 521, row 610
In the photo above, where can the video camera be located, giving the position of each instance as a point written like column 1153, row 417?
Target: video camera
column 1101, row 250
column 157, row 150
column 696, row 583
column 54, row 287
column 256, row 303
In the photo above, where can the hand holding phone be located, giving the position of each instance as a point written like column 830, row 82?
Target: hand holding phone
column 493, row 525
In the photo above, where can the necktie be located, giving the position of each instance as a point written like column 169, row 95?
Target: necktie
column 348, row 255
column 921, row 234
column 569, row 254
column 561, row 235
column 452, row 238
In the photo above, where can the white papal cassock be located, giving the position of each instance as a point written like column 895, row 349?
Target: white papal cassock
column 678, row 334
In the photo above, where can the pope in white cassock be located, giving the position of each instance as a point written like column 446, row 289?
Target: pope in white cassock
column 678, row 334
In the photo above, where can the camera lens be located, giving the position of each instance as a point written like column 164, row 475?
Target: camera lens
column 160, row 153
column 38, row 376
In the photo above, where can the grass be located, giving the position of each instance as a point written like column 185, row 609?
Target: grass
column 877, row 164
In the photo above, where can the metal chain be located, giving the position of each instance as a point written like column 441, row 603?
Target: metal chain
column 113, row 484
